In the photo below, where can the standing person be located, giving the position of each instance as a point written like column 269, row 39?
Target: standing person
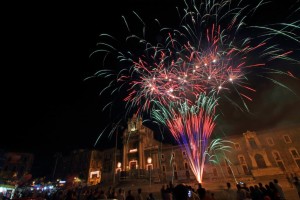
column 121, row 195
column 129, row 196
column 180, row 192
column 241, row 193
column 150, row 197
column 112, row 194
column 171, row 186
column 102, row 195
column 297, row 185
column 162, row 192
column 229, row 193
column 139, row 195
column 201, row 191
column 274, row 194
column 279, row 189
column 263, row 189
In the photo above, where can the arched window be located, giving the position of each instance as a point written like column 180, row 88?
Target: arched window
column 270, row 141
column 252, row 143
column 186, row 166
column 229, row 170
column 162, row 157
column 173, row 155
column 175, row 175
column 295, row 156
column 237, row 146
column 187, row 174
column 278, row 160
column 174, row 167
column 242, row 160
column 287, row 139
column 260, row 161
column 243, row 164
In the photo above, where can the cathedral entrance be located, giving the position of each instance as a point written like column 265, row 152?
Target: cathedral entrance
column 133, row 164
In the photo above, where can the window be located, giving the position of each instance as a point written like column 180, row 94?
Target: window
column 228, row 167
column 243, row 164
column 260, row 161
column 295, row 156
column 252, row 143
column 276, row 155
column 183, row 153
column 94, row 176
column 242, row 160
column 278, row 160
column 173, row 155
column 294, row 153
column 164, row 168
column 186, row 166
column 133, row 126
column 162, row 157
column 245, row 169
column 270, row 141
column 281, row 165
column 174, row 167
column 187, row 174
column 287, row 139
column 298, row 163
column 175, row 176
column 237, row 146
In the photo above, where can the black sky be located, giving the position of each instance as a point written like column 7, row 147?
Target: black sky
column 48, row 107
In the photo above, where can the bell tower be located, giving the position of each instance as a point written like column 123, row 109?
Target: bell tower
column 135, row 139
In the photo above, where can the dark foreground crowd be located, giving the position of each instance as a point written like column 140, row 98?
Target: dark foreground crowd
column 270, row 191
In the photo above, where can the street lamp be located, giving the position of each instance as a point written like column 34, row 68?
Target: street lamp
column 115, row 152
column 149, row 161
column 119, row 165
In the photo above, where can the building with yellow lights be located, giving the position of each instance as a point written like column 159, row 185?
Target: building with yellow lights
column 254, row 157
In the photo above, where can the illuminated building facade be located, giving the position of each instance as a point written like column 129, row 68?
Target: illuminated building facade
column 254, row 157
column 85, row 166
column 16, row 165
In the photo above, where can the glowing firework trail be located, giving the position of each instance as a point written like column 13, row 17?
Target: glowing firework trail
column 216, row 150
column 191, row 126
column 210, row 50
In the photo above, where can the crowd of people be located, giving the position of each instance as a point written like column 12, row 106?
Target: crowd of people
column 270, row 191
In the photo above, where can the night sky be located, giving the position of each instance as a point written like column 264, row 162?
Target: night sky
column 48, row 107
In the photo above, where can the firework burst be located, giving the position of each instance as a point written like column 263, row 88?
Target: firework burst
column 209, row 50
column 191, row 126
column 211, row 53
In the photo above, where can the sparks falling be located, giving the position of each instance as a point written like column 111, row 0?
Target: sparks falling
column 211, row 53
column 191, row 126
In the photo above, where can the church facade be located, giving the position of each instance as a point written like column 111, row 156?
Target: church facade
column 253, row 156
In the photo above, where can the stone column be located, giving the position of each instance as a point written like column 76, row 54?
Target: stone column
column 125, row 154
column 141, row 153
